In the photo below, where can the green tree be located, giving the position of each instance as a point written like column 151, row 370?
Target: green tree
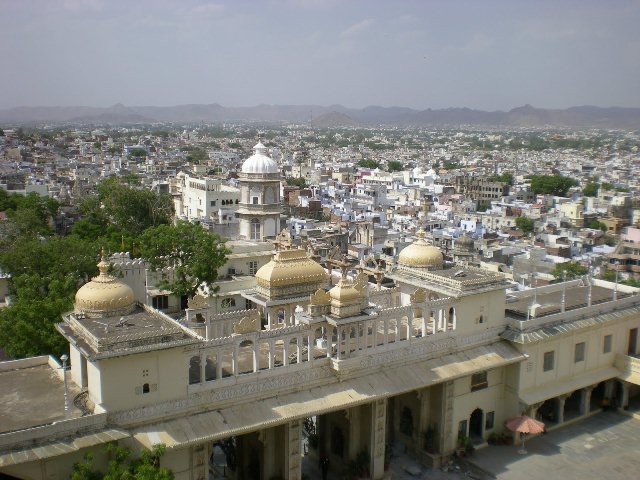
column 137, row 153
column 572, row 270
column 120, row 208
column 525, row 224
column 45, row 275
column 552, row 184
column 591, row 189
column 483, row 206
column 194, row 255
column 30, row 215
column 123, row 466
column 394, row 166
column 504, row 178
column 297, row 181
column 368, row 163
column 1, row 132
column 595, row 224
column 452, row 165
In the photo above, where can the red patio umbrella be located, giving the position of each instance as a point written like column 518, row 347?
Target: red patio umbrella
column 525, row 426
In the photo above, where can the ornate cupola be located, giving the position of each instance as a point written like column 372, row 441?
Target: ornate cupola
column 421, row 255
column 104, row 295
column 259, row 207
column 290, row 273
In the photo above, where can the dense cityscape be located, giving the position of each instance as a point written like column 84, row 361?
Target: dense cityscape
column 187, row 219
column 319, row 239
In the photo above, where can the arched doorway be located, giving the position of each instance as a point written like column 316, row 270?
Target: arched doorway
column 476, row 424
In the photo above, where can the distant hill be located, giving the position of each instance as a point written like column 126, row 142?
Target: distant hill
column 333, row 119
column 332, row 116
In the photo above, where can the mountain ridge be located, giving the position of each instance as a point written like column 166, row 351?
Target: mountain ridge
column 584, row 116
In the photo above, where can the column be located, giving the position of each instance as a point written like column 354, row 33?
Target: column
column 354, row 443
column 423, row 421
column 624, row 401
column 339, row 346
column 218, row 365
column 310, row 346
column 270, row 450
column 377, row 441
column 271, row 354
column 532, row 410
column 293, row 460
column 299, row 349
column 386, row 331
column 269, row 314
column 561, row 400
column 447, row 439
column 203, row 364
column 585, row 404
column 256, row 353
column 374, row 333
column 236, row 358
column 328, row 334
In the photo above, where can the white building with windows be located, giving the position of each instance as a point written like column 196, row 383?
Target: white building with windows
column 259, row 208
column 205, row 199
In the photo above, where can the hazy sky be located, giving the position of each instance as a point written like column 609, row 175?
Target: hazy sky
column 485, row 54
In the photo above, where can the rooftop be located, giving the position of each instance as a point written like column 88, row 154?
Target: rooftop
column 144, row 327
column 549, row 301
column 32, row 394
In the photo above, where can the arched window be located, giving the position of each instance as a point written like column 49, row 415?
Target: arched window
column 255, row 229
column 145, row 388
column 228, row 302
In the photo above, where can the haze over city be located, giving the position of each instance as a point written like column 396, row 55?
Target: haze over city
column 487, row 55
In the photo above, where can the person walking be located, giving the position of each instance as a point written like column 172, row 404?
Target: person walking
column 324, row 465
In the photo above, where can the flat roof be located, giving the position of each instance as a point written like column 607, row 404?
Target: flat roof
column 550, row 303
column 33, row 396
column 144, row 327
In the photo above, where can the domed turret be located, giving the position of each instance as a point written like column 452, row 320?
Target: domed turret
column 290, row 271
column 345, row 293
column 421, row 255
column 259, row 162
column 465, row 243
column 104, row 295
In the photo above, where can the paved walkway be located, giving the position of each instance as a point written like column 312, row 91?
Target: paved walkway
column 604, row 446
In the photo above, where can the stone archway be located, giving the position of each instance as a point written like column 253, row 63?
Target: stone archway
column 476, row 427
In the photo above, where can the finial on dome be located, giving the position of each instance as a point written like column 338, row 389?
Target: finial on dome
column 103, row 265
column 421, row 234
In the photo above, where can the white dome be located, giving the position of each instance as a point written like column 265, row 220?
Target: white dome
column 259, row 162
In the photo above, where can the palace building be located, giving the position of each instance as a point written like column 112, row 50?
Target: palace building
column 444, row 352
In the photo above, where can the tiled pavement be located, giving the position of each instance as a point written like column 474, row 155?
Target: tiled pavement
column 604, row 446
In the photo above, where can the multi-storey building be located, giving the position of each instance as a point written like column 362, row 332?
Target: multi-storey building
column 205, row 199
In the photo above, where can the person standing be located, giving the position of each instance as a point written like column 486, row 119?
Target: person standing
column 324, row 465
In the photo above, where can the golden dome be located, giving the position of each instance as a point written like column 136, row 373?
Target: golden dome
column 345, row 292
column 420, row 254
column 290, row 267
column 104, row 295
